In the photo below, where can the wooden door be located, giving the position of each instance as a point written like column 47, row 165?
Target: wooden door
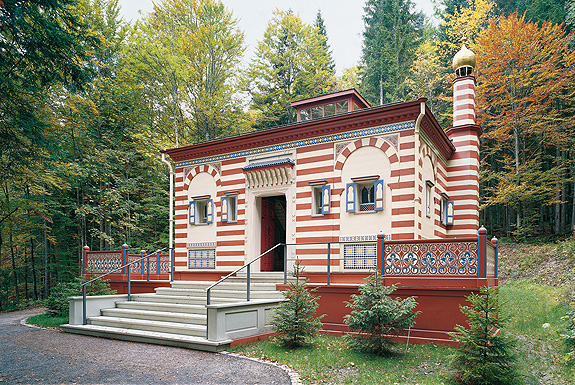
column 268, row 234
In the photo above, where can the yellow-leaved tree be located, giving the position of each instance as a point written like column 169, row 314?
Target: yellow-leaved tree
column 525, row 82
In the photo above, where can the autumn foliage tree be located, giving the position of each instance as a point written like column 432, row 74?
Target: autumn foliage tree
column 525, row 83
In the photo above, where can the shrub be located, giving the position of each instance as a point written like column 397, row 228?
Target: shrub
column 377, row 317
column 569, row 335
column 57, row 302
column 294, row 319
column 484, row 354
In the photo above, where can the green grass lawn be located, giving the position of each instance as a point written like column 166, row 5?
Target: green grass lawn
column 47, row 320
column 330, row 361
column 539, row 349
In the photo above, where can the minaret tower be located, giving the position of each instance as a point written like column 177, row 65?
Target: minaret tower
column 463, row 167
column 464, row 87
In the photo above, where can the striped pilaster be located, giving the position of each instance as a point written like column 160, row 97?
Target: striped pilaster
column 403, row 191
column 231, row 236
column 316, row 163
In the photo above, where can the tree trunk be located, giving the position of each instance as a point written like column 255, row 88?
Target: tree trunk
column 563, row 195
column 557, row 218
column 33, row 266
column 573, row 207
column 516, row 137
column 14, row 271
column 46, row 270
column 380, row 89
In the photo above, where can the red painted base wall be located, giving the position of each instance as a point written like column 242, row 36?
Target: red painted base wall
column 439, row 305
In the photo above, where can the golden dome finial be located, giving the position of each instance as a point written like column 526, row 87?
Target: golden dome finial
column 464, row 60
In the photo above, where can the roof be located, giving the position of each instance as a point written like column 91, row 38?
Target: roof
column 334, row 95
column 269, row 163
column 367, row 118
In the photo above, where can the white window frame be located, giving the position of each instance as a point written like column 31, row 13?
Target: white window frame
column 320, row 198
column 376, row 200
column 201, row 211
column 428, row 198
column 447, row 210
column 229, row 207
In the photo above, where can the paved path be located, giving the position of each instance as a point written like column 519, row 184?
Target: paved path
column 39, row 356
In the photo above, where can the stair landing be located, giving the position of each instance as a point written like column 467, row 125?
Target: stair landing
column 176, row 315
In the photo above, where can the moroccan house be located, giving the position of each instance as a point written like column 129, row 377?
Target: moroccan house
column 347, row 189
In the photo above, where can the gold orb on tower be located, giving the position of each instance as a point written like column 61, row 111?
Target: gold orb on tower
column 464, row 60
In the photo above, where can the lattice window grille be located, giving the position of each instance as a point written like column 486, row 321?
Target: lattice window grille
column 366, row 207
column 360, row 256
column 202, row 259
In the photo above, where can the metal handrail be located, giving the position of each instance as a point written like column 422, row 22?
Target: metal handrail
column 208, row 290
column 83, row 286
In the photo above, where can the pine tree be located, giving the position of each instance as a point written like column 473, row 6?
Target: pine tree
column 377, row 317
column 484, row 355
column 291, row 63
column 392, row 33
column 294, row 319
column 320, row 25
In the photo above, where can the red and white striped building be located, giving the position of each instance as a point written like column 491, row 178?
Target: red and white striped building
column 344, row 172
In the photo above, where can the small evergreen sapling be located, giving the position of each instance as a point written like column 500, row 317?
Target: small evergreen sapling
column 58, row 304
column 377, row 317
column 294, row 319
column 569, row 335
column 484, row 356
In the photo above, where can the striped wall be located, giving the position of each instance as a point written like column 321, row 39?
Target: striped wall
column 406, row 158
column 464, row 101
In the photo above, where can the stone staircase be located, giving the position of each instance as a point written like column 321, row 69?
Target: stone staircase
column 176, row 315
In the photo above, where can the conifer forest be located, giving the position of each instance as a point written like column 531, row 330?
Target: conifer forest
column 87, row 101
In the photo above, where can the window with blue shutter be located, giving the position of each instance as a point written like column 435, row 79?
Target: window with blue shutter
column 350, row 191
column 224, row 209
column 450, row 214
column 378, row 187
column 325, row 199
column 192, row 213
column 209, row 211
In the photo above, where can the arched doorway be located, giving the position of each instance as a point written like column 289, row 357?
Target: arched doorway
column 273, row 231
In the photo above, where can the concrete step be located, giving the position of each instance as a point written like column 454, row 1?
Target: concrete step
column 159, row 338
column 261, row 277
column 230, row 284
column 162, row 306
column 218, row 293
column 147, row 325
column 180, row 299
column 186, row 318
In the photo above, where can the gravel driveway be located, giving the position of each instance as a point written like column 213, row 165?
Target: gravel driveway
column 40, row 356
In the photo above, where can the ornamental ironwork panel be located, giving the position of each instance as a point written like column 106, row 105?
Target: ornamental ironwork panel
column 136, row 268
column 103, row 262
column 360, row 256
column 424, row 259
column 164, row 264
column 202, row 259
column 141, row 267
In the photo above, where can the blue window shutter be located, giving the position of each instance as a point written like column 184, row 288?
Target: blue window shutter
column 192, row 213
column 225, row 208
column 210, row 211
column 350, row 191
column 325, row 199
column 379, row 192
column 450, row 214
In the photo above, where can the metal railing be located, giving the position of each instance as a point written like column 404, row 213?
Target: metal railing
column 247, row 266
column 127, row 265
column 463, row 257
